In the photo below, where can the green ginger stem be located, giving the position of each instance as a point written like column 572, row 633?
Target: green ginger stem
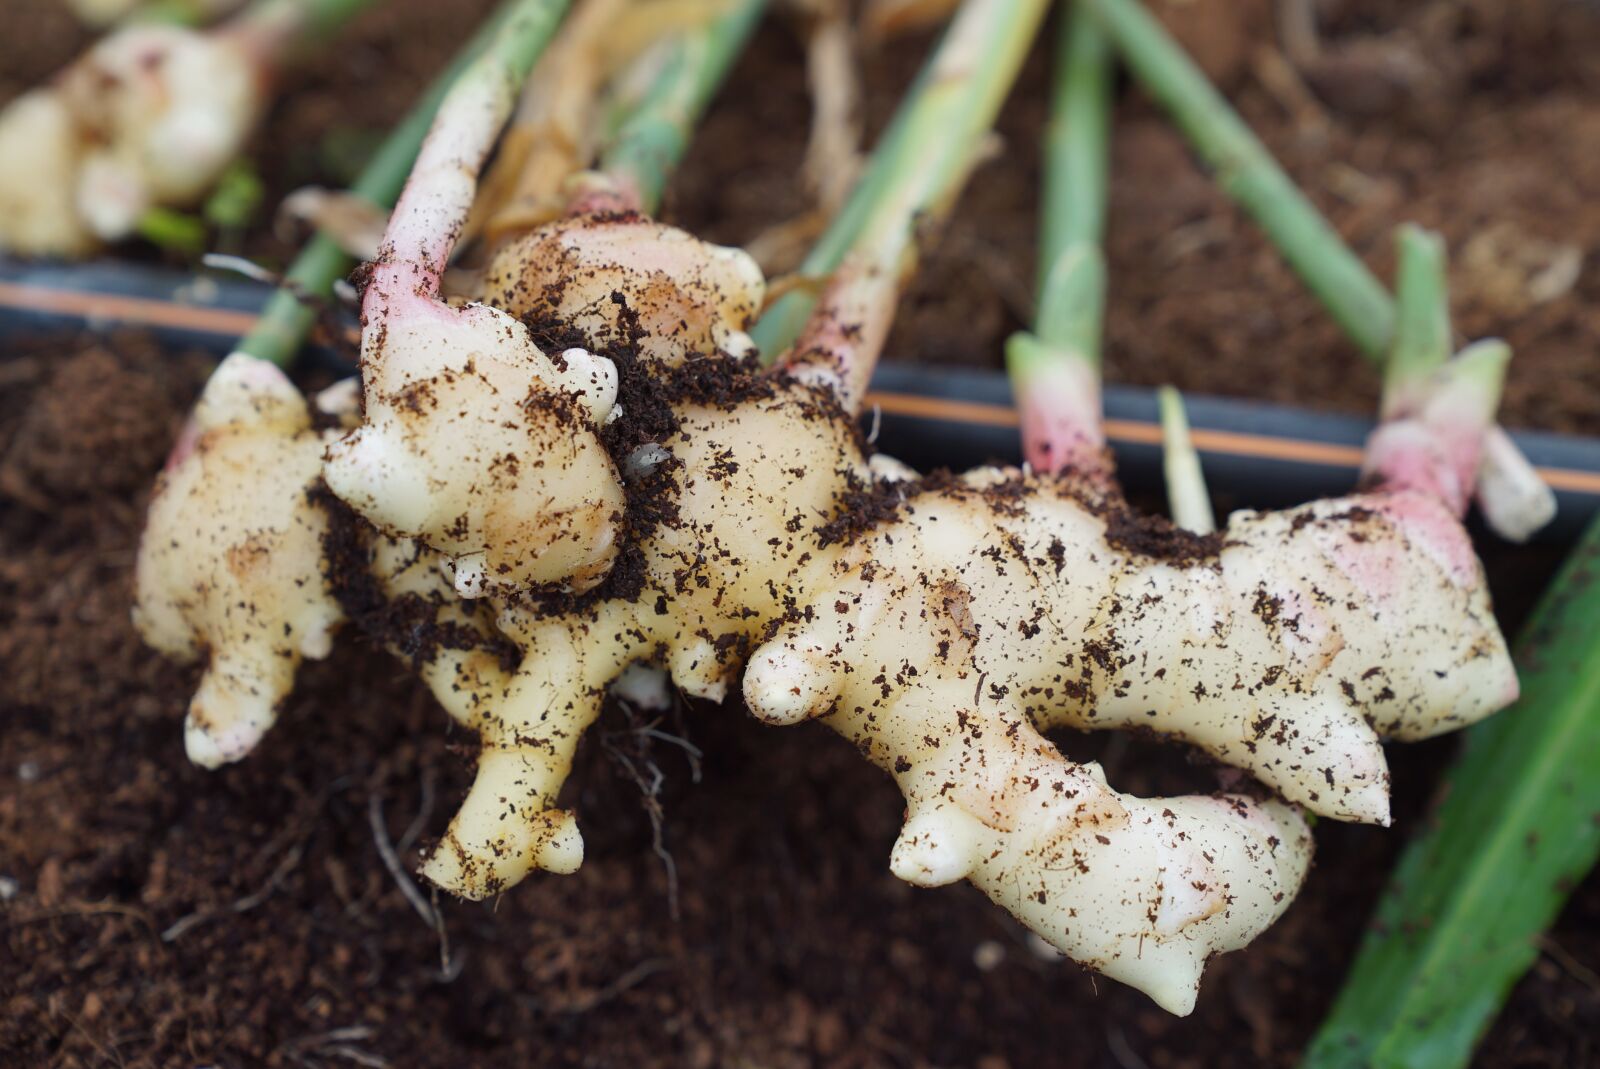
column 1077, row 164
column 653, row 135
column 921, row 161
column 1422, row 322
column 1071, row 301
column 1247, row 172
column 269, row 30
column 1055, row 369
column 1515, row 501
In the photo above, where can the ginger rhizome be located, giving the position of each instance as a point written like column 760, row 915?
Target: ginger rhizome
column 148, row 118
column 240, row 566
column 591, row 455
column 230, row 567
column 942, row 624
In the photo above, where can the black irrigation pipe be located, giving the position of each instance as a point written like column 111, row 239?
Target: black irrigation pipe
column 1255, row 454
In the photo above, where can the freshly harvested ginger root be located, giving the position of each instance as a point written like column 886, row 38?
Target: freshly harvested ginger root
column 237, row 566
column 593, row 453
column 940, row 624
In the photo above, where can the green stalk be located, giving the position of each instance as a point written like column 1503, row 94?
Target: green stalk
column 1187, row 498
column 1514, row 834
column 1077, row 151
column 1247, row 172
column 1422, row 323
column 302, row 18
column 170, row 13
column 1055, row 369
column 645, row 149
column 1514, row 499
column 176, row 231
column 922, row 160
column 1071, row 289
column 292, row 311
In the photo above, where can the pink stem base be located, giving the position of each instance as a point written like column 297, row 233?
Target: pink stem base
column 601, row 194
column 1062, row 433
column 843, row 338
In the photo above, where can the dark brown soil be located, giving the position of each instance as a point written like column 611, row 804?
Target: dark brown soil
column 41, row 36
column 156, row 915
column 1477, row 119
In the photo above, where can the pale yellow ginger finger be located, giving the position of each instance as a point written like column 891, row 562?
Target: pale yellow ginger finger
column 1429, row 657
column 1144, row 891
column 230, row 566
column 397, row 592
column 452, row 644
column 509, row 824
column 519, row 494
column 236, row 566
column 40, row 151
column 522, row 494
column 689, row 297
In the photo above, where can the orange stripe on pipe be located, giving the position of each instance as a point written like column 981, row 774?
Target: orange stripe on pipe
column 1207, row 441
column 160, row 313
column 142, row 310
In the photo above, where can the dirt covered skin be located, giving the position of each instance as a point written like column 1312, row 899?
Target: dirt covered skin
column 158, row 915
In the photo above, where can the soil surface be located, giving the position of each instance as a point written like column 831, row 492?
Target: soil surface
column 157, row 915
column 1477, row 119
